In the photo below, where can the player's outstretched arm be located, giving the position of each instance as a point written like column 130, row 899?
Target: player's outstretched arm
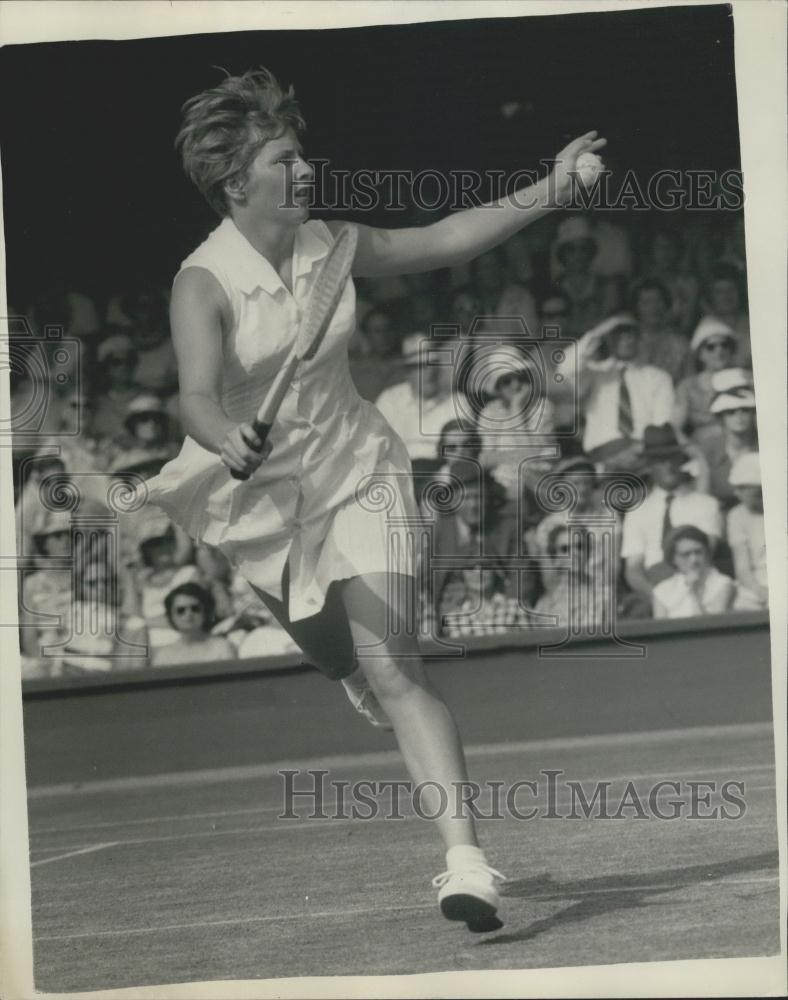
column 464, row 235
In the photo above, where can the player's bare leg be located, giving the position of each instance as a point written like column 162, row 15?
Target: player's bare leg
column 427, row 735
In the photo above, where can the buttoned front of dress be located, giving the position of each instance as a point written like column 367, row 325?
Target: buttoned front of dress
column 325, row 439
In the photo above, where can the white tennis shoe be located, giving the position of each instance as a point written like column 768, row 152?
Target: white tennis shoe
column 470, row 894
column 365, row 701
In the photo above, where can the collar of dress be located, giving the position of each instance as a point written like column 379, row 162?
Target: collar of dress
column 252, row 270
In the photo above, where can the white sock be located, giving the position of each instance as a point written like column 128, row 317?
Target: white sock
column 464, row 856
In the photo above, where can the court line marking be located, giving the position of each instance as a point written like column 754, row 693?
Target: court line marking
column 349, row 760
column 298, row 823
column 91, row 849
column 360, row 911
column 328, row 805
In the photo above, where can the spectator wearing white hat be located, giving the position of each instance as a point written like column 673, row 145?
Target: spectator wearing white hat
column 148, row 424
column 419, row 407
column 116, row 361
column 517, row 421
column 725, row 297
column 735, row 431
column 746, row 534
column 619, row 395
column 592, row 297
column 714, row 345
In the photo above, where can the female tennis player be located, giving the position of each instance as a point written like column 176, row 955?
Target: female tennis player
column 305, row 526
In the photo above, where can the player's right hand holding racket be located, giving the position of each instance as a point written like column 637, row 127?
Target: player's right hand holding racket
column 243, row 451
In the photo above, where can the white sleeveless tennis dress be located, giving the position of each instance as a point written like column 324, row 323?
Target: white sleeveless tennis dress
column 337, row 483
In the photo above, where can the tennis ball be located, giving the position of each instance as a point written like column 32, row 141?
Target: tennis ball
column 589, row 166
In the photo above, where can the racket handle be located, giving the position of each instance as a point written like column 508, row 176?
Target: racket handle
column 262, row 430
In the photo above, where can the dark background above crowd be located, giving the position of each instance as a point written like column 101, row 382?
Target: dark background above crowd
column 94, row 191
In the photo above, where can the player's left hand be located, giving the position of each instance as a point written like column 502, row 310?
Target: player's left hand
column 562, row 179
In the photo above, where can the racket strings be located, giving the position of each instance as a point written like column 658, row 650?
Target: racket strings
column 326, row 293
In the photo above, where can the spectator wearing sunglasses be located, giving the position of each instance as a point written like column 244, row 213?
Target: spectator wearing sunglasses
column 160, row 572
column 713, row 347
column 726, row 298
column 575, row 597
column 575, row 475
column 734, row 432
column 517, row 419
column 190, row 611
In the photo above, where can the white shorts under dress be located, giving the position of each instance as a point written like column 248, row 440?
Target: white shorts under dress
column 335, row 497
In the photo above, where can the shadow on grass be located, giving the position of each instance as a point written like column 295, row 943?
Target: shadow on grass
column 618, row 892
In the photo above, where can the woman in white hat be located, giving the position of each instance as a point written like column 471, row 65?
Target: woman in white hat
column 734, row 432
column 713, row 347
column 314, row 547
column 517, row 417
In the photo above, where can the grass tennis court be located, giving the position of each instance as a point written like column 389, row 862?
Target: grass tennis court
column 172, row 877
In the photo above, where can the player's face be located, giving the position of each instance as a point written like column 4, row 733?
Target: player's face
column 279, row 182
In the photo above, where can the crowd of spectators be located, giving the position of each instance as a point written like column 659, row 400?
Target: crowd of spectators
column 584, row 349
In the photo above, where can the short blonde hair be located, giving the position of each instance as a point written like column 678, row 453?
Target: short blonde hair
column 225, row 127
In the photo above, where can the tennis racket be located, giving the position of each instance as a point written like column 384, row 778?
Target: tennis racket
column 320, row 310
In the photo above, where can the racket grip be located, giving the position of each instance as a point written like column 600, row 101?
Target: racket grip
column 262, row 430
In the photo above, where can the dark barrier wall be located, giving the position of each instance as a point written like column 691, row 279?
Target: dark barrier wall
column 697, row 672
